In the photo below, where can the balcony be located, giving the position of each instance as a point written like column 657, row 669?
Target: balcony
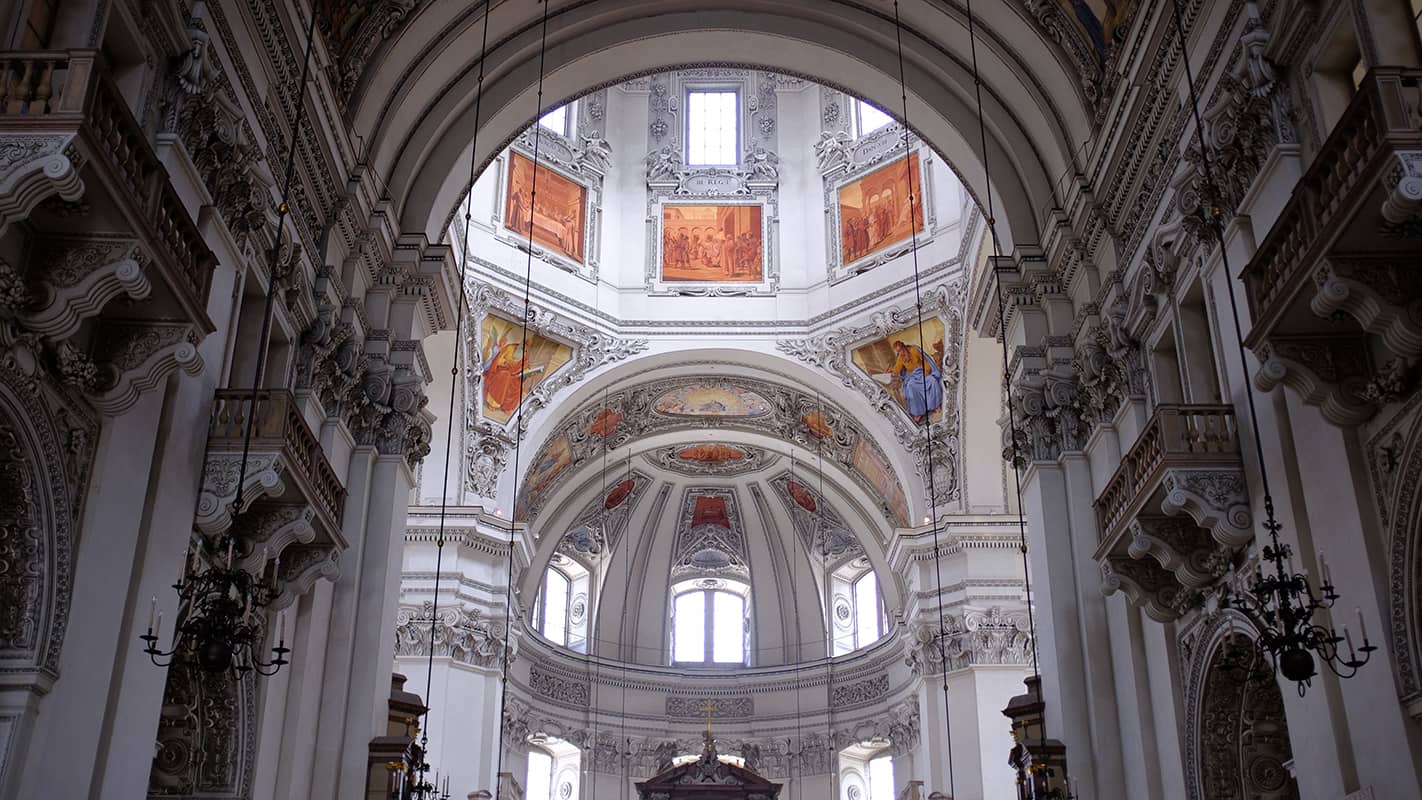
column 1345, row 244
column 292, row 494
column 1175, row 510
column 76, row 160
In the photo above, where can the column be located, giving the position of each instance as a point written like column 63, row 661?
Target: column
column 68, row 729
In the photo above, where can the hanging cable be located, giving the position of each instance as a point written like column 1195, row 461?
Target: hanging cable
column 923, row 386
column 449, row 417
column 522, row 376
column 1014, row 441
column 822, row 534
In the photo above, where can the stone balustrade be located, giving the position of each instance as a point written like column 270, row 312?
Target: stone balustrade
column 66, row 132
column 280, row 437
column 1175, row 510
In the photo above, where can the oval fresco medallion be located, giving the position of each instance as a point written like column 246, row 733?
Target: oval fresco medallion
column 711, row 453
column 618, row 495
column 712, row 400
column 802, row 496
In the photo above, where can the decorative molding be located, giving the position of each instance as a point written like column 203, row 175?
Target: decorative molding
column 1331, row 373
column 461, row 634
column 138, row 356
column 558, row 688
column 721, row 707
column 1216, row 499
column 33, row 168
column 991, row 637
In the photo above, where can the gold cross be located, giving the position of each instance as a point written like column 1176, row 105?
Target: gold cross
column 710, row 708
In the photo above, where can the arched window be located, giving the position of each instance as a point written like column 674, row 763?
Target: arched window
column 709, row 622
column 857, row 613
column 539, row 785
column 881, row 777
column 869, row 118
column 868, row 619
column 551, row 616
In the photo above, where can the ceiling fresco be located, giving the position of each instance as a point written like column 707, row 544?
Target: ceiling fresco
column 696, row 405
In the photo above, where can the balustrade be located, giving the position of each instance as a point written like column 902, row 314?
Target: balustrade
column 1362, row 192
column 278, row 429
column 67, row 98
column 1177, row 435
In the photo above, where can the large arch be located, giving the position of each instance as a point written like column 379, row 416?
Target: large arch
column 417, row 107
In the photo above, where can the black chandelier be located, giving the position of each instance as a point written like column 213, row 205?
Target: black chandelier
column 221, row 617
column 1281, row 604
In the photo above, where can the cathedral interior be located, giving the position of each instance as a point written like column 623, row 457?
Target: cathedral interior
column 711, row 400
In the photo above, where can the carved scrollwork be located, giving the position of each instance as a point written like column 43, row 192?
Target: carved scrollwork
column 460, row 634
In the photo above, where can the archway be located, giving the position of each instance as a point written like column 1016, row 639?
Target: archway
column 418, row 106
column 1238, row 733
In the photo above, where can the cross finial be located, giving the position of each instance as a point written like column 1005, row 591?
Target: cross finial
column 710, row 708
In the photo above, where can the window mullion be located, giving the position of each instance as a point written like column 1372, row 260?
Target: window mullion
column 708, row 652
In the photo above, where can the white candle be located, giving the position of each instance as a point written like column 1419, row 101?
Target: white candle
column 152, row 612
column 1323, row 569
column 276, row 568
column 158, row 626
column 1348, row 637
column 230, row 542
column 283, row 628
column 1362, row 626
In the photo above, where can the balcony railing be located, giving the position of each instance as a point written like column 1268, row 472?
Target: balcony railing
column 1175, row 436
column 68, row 92
column 279, row 428
column 1335, row 191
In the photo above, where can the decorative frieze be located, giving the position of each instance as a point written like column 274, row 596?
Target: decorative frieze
column 460, row 634
column 678, row 707
column 993, row 637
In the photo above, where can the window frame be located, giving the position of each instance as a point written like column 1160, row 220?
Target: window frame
column 569, row 117
column 528, row 773
column 859, row 106
column 883, row 756
column 734, row 89
column 734, row 589
column 541, row 612
column 880, row 627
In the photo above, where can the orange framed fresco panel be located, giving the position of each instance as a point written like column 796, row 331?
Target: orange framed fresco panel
column 712, row 243
column 558, row 213
column 874, row 210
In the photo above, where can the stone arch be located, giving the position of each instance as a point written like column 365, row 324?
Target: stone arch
column 207, row 735
column 1403, row 519
column 1237, row 737
column 414, row 111
column 40, row 500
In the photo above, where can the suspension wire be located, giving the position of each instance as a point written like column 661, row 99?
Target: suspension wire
column 928, row 415
column 449, row 417
column 283, row 210
column 601, row 421
column 1218, row 230
column 799, row 752
column 522, row 376
column 1014, row 445
column 825, row 591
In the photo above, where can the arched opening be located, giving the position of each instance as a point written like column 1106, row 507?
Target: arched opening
column 1243, row 738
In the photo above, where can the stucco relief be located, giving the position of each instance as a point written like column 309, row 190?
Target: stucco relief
column 1236, row 736
column 973, row 638
column 460, row 634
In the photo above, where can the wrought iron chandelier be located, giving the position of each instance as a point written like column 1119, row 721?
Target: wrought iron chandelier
column 221, row 622
column 1281, row 603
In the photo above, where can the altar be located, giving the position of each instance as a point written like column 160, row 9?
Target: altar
column 708, row 778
